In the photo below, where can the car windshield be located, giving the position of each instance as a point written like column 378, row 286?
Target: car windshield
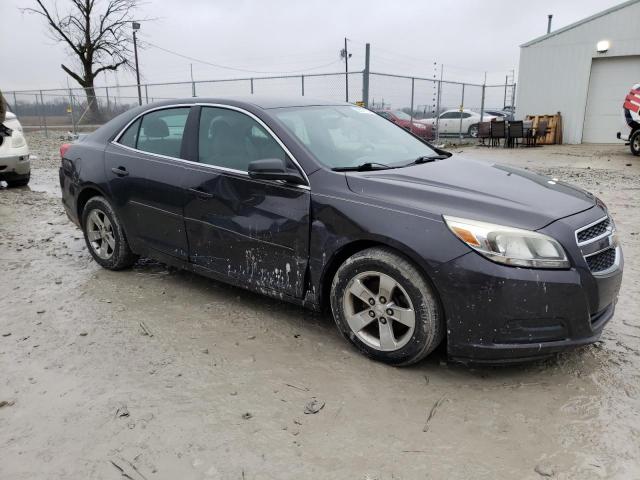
column 349, row 136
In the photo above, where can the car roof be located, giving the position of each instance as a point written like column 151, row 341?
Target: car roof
column 263, row 102
column 250, row 103
column 468, row 110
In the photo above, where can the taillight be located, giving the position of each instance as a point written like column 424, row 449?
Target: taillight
column 63, row 149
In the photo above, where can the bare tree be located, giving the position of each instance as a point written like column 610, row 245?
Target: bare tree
column 98, row 35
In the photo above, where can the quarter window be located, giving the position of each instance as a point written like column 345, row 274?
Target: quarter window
column 130, row 137
column 231, row 139
column 158, row 132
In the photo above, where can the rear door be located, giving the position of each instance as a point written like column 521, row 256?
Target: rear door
column 146, row 171
column 254, row 231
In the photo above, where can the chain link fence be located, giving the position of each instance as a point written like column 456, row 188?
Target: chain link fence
column 76, row 109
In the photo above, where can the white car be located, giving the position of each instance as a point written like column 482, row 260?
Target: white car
column 15, row 167
column 449, row 122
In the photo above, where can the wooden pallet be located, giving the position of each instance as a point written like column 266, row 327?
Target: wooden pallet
column 554, row 128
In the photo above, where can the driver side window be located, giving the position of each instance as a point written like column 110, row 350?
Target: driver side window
column 231, row 139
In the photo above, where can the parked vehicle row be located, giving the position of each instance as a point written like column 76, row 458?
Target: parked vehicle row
column 329, row 205
column 452, row 122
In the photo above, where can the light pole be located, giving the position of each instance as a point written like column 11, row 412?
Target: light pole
column 136, row 27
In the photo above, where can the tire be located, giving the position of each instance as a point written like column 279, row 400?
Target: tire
column 634, row 143
column 473, row 131
column 107, row 244
column 382, row 336
column 20, row 182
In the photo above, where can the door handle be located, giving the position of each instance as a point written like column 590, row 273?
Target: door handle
column 201, row 193
column 120, row 171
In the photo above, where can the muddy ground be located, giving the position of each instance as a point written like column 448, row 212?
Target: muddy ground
column 155, row 373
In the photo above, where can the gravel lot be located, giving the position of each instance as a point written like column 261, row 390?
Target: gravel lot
column 155, row 373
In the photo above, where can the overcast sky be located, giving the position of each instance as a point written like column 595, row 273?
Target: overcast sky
column 468, row 36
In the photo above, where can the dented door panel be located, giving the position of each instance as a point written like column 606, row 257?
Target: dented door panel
column 250, row 230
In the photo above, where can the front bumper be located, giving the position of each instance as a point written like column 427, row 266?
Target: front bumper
column 15, row 165
column 501, row 314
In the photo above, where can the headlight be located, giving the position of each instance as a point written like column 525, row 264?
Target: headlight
column 508, row 245
column 419, row 126
column 17, row 139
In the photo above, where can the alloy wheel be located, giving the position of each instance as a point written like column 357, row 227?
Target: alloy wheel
column 379, row 311
column 100, row 234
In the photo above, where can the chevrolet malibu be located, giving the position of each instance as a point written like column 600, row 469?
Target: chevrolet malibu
column 329, row 205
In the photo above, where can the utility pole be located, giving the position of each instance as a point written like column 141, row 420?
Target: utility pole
column 136, row 27
column 346, row 69
column 344, row 53
column 365, row 77
column 438, row 104
column 506, row 84
column 484, row 88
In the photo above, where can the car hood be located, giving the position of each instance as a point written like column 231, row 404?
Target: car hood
column 467, row 188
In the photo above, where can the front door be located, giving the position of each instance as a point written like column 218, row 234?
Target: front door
column 443, row 123
column 145, row 179
column 254, row 231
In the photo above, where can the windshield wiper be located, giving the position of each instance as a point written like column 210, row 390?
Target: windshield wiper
column 364, row 167
column 427, row 159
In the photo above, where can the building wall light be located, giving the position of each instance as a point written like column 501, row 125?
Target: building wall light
column 603, row 46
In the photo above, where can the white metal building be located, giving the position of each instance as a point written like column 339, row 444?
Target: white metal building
column 583, row 71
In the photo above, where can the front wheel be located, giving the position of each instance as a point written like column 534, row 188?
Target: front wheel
column 473, row 131
column 634, row 143
column 384, row 306
column 104, row 235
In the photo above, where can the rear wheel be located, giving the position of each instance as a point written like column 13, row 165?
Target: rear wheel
column 104, row 235
column 384, row 306
column 473, row 131
column 634, row 143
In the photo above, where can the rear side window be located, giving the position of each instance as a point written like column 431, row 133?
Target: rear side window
column 158, row 132
column 231, row 139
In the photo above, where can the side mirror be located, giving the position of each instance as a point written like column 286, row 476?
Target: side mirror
column 274, row 169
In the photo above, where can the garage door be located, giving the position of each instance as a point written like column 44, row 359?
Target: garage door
column 610, row 81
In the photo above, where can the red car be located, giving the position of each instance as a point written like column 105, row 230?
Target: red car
column 404, row 120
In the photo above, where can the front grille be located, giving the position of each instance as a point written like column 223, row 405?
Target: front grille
column 593, row 231
column 602, row 261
